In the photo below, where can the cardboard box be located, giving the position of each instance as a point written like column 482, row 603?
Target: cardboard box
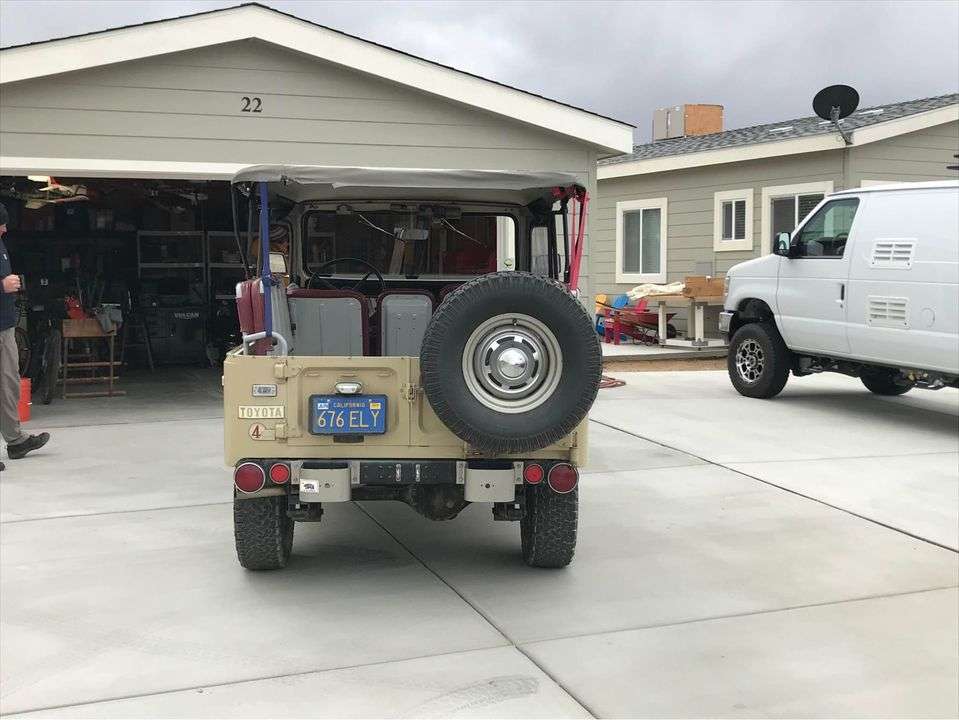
column 703, row 286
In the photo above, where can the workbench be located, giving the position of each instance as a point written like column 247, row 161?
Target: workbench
column 695, row 328
column 92, row 370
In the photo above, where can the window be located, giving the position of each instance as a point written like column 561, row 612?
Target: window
column 539, row 251
column 460, row 245
column 733, row 220
column 641, row 241
column 826, row 233
column 785, row 206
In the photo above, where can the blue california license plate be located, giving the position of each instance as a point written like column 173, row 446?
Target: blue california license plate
column 348, row 414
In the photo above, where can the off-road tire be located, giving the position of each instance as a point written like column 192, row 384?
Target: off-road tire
column 776, row 360
column 548, row 530
column 883, row 382
column 263, row 532
column 466, row 309
column 23, row 350
column 51, row 366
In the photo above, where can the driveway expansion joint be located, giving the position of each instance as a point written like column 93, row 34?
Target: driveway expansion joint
column 781, row 487
column 479, row 612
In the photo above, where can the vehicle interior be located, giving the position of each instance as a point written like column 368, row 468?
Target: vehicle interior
column 362, row 277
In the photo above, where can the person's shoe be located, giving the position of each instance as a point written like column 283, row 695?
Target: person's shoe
column 34, row 442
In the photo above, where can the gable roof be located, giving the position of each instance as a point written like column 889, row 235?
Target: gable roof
column 255, row 21
column 807, row 134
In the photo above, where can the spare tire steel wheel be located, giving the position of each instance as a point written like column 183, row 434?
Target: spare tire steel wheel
column 510, row 362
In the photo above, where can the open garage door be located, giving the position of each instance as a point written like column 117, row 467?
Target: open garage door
column 127, row 279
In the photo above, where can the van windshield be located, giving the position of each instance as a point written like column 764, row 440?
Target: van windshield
column 465, row 245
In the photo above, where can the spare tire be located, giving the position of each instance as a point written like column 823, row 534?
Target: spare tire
column 511, row 362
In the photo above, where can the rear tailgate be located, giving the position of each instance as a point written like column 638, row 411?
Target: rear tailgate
column 266, row 404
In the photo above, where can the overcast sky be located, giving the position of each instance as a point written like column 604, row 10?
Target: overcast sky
column 762, row 60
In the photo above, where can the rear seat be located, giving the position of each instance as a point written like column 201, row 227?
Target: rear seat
column 404, row 316
column 336, row 322
column 251, row 311
column 330, row 322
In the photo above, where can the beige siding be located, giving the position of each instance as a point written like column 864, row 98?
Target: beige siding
column 913, row 157
column 921, row 155
column 690, row 195
column 187, row 107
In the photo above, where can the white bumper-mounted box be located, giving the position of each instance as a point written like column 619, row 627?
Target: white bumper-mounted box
column 324, row 484
column 490, row 483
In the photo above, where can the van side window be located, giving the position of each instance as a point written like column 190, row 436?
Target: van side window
column 826, row 233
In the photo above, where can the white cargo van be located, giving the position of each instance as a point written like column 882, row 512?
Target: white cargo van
column 867, row 285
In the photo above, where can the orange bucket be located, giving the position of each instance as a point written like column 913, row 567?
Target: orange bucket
column 24, row 406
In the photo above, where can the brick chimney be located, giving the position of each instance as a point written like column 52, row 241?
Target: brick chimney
column 686, row 121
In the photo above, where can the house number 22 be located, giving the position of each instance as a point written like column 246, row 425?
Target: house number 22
column 251, row 104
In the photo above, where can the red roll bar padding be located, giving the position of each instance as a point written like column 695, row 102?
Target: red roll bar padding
column 578, row 207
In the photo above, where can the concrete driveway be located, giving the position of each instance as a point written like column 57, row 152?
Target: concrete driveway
column 737, row 558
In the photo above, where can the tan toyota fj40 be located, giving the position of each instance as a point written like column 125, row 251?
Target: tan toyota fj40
column 412, row 335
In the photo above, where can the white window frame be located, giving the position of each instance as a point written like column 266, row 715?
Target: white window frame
column 631, row 206
column 720, row 198
column 780, row 191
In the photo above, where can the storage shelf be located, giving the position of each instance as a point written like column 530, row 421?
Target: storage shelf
column 170, row 266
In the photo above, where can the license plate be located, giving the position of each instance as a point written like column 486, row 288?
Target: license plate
column 348, row 414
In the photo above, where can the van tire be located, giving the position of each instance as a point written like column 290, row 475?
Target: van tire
column 263, row 532
column 883, row 382
column 548, row 529
column 771, row 360
column 478, row 323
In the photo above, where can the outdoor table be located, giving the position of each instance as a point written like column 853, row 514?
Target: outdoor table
column 696, row 323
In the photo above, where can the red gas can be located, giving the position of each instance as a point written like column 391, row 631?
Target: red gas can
column 24, row 405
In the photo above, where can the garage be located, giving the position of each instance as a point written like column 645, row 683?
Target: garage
column 117, row 148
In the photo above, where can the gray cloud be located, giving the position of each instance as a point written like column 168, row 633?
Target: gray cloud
column 762, row 60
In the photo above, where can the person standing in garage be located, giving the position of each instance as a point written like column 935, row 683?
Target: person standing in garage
column 18, row 442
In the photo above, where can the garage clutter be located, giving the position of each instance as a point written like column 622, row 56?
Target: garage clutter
column 119, row 274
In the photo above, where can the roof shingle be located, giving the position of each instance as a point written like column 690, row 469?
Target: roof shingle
column 785, row 130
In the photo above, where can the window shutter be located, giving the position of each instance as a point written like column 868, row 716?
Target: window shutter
column 727, row 221
column 740, row 224
column 652, row 229
column 806, row 204
column 632, row 241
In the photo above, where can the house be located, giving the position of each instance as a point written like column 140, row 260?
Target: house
column 149, row 119
column 699, row 200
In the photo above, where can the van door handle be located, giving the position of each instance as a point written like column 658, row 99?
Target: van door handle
column 842, row 293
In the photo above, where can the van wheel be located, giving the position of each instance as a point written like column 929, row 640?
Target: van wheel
column 758, row 361
column 263, row 532
column 548, row 530
column 510, row 362
column 885, row 382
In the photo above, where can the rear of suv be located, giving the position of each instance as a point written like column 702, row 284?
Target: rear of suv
column 413, row 338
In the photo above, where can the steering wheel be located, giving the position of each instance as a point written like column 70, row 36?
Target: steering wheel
column 355, row 288
column 839, row 240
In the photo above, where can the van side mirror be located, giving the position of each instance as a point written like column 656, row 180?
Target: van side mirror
column 781, row 246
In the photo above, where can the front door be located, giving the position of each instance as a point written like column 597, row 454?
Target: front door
column 812, row 282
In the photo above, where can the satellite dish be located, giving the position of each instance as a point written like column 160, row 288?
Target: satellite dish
column 835, row 102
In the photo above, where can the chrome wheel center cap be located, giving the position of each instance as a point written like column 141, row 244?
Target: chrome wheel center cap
column 512, row 363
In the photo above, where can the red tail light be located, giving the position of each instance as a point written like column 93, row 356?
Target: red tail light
column 533, row 474
column 279, row 473
column 249, row 477
column 563, row 478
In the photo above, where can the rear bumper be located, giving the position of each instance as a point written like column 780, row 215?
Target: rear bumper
column 323, row 481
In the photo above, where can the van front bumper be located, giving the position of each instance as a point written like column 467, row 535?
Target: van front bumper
column 725, row 320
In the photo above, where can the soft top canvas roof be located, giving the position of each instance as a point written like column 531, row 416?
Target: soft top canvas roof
column 343, row 177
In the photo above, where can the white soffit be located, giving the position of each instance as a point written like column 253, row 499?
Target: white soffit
column 793, row 146
column 257, row 22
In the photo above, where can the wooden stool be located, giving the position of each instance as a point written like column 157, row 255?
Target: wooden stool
column 88, row 329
